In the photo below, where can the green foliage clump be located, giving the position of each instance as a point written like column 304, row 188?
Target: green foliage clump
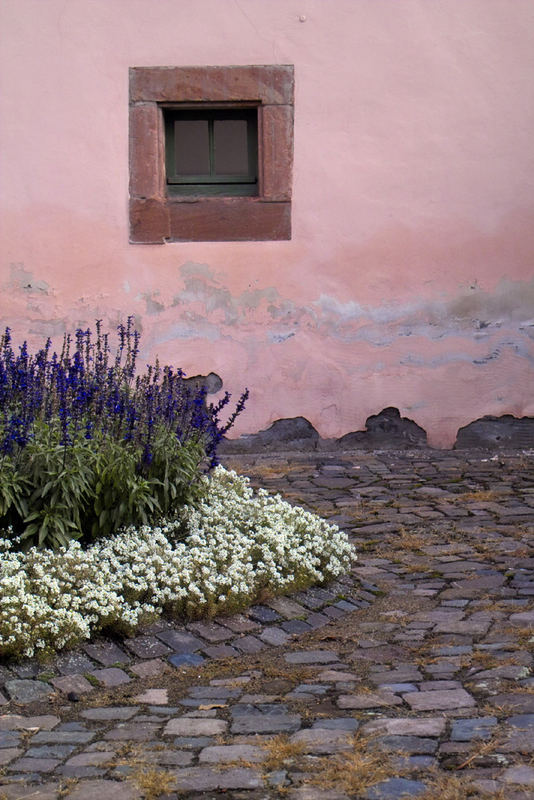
column 87, row 446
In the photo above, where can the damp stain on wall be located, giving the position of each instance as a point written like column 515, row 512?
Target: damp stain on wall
column 297, row 356
column 473, row 326
column 492, row 322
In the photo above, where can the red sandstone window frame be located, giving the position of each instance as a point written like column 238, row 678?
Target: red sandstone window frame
column 157, row 217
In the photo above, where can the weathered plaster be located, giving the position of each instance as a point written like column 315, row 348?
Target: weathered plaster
column 409, row 278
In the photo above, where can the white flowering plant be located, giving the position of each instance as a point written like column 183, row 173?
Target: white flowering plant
column 235, row 547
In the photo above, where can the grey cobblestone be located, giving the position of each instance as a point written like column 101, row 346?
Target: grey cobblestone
column 26, row 691
column 431, row 655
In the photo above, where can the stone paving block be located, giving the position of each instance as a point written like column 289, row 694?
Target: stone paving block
column 309, row 600
column 93, row 759
column 210, row 631
column 107, row 653
column 51, row 751
column 181, row 641
column 311, row 657
column 474, row 585
column 333, row 612
column 63, row 737
column 193, row 742
column 73, row 664
column 338, row 723
column 35, row 764
column 248, row 700
column 476, row 627
column 26, row 691
column 202, row 779
column 157, row 712
column 100, row 789
column 316, row 620
column 333, row 482
column 186, row 660
column 72, row 683
column 519, row 742
column 407, row 744
column 231, row 682
column 27, row 669
column 220, row 651
column 400, row 687
column 466, row 730
column 369, row 700
column 434, row 686
column 311, row 688
column 441, row 699
column 521, row 721
column 266, row 723
column 512, row 672
column 323, row 740
column 187, row 726
column 21, row 791
column 407, row 726
column 313, row 793
column 82, row 772
column 345, row 606
column 522, row 774
column 398, row 675
column 5, row 674
column 263, row 614
column 296, row 626
column 249, row 644
column 274, row 635
column 239, row 623
column 147, row 647
column 167, row 758
column 135, row 732
column 336, row 676
column 513, row 702
column 111, row 676
column 394, row 789
column 287, row 607
column 148, row 669
column 210, row 692
column 9, row 738
column 8, row 754
column 75, row 725
column 16, row 722
column 112, row 713
column 224, row 754
column 153, row 696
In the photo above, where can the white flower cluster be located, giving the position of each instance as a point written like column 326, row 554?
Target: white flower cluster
column 239, row 547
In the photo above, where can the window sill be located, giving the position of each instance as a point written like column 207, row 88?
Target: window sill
column 209, row 219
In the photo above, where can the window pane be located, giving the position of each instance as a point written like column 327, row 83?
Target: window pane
column 231, row 147
column 191, row 147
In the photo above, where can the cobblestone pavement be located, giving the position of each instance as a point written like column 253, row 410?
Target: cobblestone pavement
column 409, row 678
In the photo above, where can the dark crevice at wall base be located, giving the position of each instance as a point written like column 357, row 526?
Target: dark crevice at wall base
column 385, row 430
column 497, row 433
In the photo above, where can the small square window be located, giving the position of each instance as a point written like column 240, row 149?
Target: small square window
column 211, row 151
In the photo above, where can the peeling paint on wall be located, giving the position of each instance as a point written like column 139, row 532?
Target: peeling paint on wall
column 22, row 279
column 208, row 309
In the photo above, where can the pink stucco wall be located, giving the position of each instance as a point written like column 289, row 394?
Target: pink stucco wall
column 409, row 280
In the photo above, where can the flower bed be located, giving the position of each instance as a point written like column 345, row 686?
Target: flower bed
column 233, row 548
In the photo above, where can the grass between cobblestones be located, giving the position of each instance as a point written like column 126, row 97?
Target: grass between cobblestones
column 396, row 632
